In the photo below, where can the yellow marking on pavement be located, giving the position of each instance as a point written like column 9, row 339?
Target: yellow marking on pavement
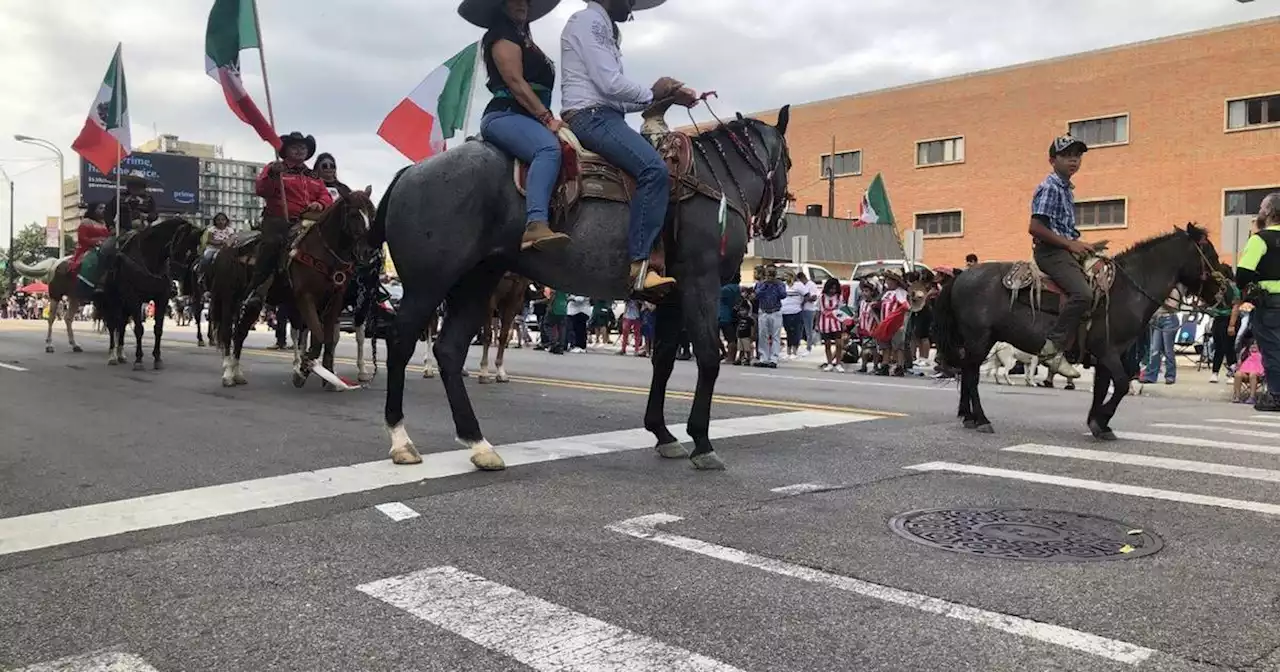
column 759, row 402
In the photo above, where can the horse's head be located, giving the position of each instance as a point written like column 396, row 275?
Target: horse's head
column 168, row 245
column 348, row 222
column 1199, row 270
column 778, row 165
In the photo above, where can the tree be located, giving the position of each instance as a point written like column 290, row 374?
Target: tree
column 28, row 244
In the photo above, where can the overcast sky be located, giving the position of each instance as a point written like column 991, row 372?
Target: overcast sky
column 337, row 67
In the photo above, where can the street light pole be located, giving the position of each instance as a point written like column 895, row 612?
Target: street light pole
column 8, row 267
column 62, row 242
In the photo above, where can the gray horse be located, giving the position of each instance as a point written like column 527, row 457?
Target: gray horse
column 454, row 224
column 1145, row 275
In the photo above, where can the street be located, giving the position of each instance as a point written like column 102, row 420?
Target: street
column 156, row 521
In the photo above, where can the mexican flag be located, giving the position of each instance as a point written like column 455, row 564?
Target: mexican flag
column 104, row 140
column 233, row 27
column 435, row 110
column 875, row 205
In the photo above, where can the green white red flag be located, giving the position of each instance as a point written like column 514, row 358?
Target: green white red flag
column 233, row 27
column 435, row 110
column 875, row 205
column 104, row 139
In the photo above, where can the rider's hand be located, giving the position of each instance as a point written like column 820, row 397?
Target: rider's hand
column 275, row 168
column 554, row 125
column 1079, row 247
column 314, row 207
column 686, row 97
column 1231, row 330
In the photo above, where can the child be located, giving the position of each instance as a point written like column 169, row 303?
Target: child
column 1250, row 372
column 745, row 322
column 890, row 332
column 831, row 325
column 868, row 318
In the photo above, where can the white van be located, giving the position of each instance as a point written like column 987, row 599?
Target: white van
column 872, row 267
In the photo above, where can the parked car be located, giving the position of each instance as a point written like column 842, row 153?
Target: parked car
column 394, row 291
column 875, row 266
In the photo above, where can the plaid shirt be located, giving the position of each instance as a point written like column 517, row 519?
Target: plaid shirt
column 1055, row 202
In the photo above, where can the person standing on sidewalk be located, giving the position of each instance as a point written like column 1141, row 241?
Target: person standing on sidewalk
column 769, row 295
column 1259, row 270
column 1164, row 331
column 1223, row 340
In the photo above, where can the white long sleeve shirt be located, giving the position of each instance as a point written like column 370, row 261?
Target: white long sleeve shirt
column 591, row 66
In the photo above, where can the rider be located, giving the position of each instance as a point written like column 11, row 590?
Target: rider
column 289, row 189
column 220, row 235
column 137, row 207
column 519, row 120
column 596, row 96
column 1059, row 251
column 91, row 233
column 327, row 171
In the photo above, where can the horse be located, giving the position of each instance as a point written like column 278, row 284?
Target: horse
column 57, row 275
column 977, row 310
column 192, row 285
column 454, row 223
column 371, row 315
column 140, row 267
column 505, row 306
column 322, row 258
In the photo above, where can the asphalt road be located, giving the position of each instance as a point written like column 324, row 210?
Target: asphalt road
column 154, row 520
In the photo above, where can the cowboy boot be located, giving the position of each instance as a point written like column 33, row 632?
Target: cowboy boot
column 1056, row 360
column 540, row 236
column 643, row 279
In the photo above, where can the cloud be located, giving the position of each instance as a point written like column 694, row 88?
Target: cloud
column 336, row 67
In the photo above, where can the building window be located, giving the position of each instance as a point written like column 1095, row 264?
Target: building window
column 1102, row 131
column 847, row 163
column 1107, row 214
column 1257, row 111
column 941, row 223
column 1245, row 201
column 938, row 152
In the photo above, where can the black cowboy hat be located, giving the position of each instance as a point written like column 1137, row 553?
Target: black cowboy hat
column 482, row 12
column 638, row 5
column 297, row 138
column 135, row 177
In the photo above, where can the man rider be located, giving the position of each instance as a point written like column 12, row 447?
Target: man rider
column 1059, row 251
column 303, row 192
column 596, row 96
column 1260, row 265
column 137, row 207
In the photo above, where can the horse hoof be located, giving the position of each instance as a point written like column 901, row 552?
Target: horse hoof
column 240, row 380
column 488, row 460
column 228, row 382
column 503, row 378
column 672, row 450
column 484, row 380
column 159, row 365
column 707, row 462
column 364, row 378
column 298, row 379
column 199, row 344
column 1101, row 432
column 112, row 362
column 985, row 429
column 405, row 454
column 138, row 366
column 48, row 348
column 76, row 348
column 428, row 373
column 969, row 424
column 1107, row 435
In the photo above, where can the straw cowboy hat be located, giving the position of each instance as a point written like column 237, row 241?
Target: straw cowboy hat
column 482, row 12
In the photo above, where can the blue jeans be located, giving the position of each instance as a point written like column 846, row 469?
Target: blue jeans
column 605, row 132
column 1164, row 329
column 528, row 140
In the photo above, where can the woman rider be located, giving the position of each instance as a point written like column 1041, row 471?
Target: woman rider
column 216, row 238
column 327, row 169
column 518, row 120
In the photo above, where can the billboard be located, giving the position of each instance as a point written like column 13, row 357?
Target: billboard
column 174, row 180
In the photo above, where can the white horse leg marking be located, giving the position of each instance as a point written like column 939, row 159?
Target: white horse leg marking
column 428, row 364
column 402, row 448
column 483, row 456
column 228, row 371
column 364, row 375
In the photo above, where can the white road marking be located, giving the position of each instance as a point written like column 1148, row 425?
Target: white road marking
column 1172, row 440
column 1224, row 430
column 645, row 527
column 11, row 367
column 397, row 511
column 52, row 528
column 100, row 661
column 1270, row 417
column 1193, row 466
column 542, row 635
column 1102, row 486
column 802, row 488
column 1254, row 423
column 868, row 383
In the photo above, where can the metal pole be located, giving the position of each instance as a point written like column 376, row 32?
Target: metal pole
column 831, row 180
column 62, row 234
column 9, row 265
column 271, row 115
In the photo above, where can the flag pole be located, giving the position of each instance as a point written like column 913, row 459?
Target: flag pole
column 271, row 115
column 119, row 167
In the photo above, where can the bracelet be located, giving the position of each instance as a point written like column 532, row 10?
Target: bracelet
column 546, row 117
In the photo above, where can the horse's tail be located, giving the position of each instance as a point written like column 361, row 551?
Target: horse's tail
column 42, row 270
column 946, row 327
column 378, row 233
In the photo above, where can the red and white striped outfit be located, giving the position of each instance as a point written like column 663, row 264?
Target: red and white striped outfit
column 868, row 316
column 829, row 317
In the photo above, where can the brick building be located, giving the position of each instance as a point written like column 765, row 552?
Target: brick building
column 1183, row 128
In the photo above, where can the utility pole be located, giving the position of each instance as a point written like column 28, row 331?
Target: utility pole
column 8, row 267
column 831, row 180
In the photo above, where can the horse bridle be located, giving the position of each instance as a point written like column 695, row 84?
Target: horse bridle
column 342, row 269
column 1207, row 270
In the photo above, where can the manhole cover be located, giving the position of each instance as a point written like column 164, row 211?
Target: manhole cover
column 1026, row 534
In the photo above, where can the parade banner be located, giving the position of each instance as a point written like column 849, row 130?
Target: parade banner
column 51, row 231
column 173, row 180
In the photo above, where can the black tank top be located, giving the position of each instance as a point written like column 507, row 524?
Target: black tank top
column 539, row 71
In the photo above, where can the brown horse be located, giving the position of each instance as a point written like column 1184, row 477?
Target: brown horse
column 320, row 265
column 505, row 305
column 56, row 273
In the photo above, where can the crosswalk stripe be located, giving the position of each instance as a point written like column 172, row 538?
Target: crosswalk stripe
column 545, row 636
column 98, row 661
column 1271, row 417
column 1224, row 430
column 645, row 527
column 93, row 521
column 397, row 511
column 1101, row 486
column 1149, row 461
column 1173, row 440
column 1252, row 423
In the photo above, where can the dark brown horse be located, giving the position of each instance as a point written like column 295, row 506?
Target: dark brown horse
column 505, row 306
column 314, row 281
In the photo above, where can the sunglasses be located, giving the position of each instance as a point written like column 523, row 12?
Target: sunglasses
column 325, row 165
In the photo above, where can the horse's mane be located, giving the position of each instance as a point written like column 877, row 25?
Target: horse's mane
column 1151, row 241
column 725, row 129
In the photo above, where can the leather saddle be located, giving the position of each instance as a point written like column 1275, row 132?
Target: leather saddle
column 585, row 174
column 1026, row 281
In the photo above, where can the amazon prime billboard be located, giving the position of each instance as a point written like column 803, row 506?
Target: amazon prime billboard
column 173, row 180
